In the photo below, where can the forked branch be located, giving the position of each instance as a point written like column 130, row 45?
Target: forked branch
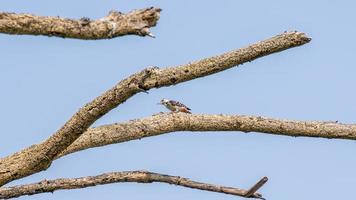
column 116, row 24
column 116, row 177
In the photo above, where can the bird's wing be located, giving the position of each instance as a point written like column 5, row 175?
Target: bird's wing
column 178, row 104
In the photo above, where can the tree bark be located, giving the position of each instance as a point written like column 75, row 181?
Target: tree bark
column 116, row 24
column 172, row 122
column 116, row 177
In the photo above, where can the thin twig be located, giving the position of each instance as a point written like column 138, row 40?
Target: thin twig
column 252, row 191
column 115, row 177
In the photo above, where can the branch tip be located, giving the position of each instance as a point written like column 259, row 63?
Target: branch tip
column 251, row 193
column 146, row 32
column 151, row 35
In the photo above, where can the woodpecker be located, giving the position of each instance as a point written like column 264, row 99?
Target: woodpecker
column 175, row 106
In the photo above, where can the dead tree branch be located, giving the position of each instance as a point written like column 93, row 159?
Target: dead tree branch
column 116, row 24
column 39, row 157
column 115, row 177
column 252, row 191
column 172, row 122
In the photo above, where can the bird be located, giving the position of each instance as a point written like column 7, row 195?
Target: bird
column 175, row 106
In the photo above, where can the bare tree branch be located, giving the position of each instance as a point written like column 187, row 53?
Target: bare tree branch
column 116, row 24
column 171, row 122
column 39, row 157
column 252, row 191
column 115, row 177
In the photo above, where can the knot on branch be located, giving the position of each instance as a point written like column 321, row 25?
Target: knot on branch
column 84, row 21
column 114, row 15
column 138, row 80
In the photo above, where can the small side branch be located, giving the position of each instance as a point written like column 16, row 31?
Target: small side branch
column 252, row 191
column 116, row 24
column 117, row 177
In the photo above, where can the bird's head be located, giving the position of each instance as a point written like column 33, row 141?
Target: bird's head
column 164, row 101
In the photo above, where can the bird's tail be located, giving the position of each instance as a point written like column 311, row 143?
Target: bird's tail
column 185, row 111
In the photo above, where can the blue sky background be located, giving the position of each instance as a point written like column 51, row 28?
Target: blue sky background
column 43, row 81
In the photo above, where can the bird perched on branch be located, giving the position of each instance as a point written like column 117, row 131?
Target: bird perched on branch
column 175, row 106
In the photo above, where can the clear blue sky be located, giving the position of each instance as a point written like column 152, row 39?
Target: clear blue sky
column 43, row 81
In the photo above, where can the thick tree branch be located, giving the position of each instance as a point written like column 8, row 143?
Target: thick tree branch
column 172, row 122
column 115, row 177
column 39, row 157
column 116, row 24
